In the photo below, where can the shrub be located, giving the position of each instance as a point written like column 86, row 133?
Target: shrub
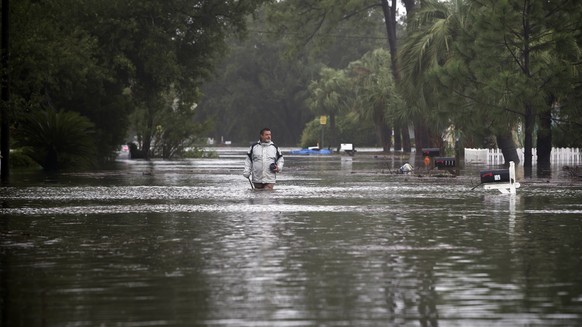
column 57, row 140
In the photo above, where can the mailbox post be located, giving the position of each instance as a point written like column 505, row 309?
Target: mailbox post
column 500, row 179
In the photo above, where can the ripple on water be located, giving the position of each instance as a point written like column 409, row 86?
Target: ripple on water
column 327, row 247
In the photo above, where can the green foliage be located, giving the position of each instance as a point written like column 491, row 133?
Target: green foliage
column 176, row 129
column 105, row 59
column 373, row 86
column 428, row 65
column 199, row 152
column 375, row 98
column 362, row 92
column 328, row 94
column 167, row 47
column 349, row 130
column 358, row 132
column 567, row 129
column 256, row 87
column 55, row 64
column 264, row 79
column 57, row 140
column 314, row 24
column 489, row 65
column 536, row 61
column 335, row 32
column 21, row 161
column 311, row 134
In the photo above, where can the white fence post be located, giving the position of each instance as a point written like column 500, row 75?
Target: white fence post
column 476, row 155
column 569, row 156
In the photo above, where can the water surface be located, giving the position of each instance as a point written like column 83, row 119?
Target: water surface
column 342, row 241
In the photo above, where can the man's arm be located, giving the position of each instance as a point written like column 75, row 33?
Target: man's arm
column 280, row 162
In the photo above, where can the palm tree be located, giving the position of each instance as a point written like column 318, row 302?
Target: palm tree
column 505, row 63
column 375, row 97
column 436, row 75
column 328, row 97
column 57, row 140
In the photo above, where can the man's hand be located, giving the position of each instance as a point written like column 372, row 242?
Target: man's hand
column 246, row 175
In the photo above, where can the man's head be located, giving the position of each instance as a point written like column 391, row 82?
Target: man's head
column 265, row 135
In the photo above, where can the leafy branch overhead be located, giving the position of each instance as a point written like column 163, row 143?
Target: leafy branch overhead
column 107, row 59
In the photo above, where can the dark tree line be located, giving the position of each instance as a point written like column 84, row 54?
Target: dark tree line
column 124, row 66
column 167, row 73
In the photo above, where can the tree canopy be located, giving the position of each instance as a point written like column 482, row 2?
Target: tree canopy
column 107, row 59
column 168, row 72
column 494, row 65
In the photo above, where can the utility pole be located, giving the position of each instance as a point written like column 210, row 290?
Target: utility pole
column 5, row 95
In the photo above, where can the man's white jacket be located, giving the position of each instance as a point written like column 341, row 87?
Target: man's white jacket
column 259, row 157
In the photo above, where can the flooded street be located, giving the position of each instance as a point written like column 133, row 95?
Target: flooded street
column 341, row 241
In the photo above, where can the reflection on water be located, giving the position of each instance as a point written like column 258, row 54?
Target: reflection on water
column 340, row 242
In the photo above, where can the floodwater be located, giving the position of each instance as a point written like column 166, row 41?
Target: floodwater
column 341, row 241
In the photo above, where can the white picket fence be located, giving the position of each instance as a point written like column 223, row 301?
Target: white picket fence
column 565, row 156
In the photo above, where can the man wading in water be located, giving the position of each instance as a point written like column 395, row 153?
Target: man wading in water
column 264, row 160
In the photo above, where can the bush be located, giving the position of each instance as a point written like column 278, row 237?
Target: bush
column 359, row 133
column 57, row 140
column 197, row 152
column 20, row 160
column 311, row 134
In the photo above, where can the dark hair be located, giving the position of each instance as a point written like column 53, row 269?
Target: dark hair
column 266, row 129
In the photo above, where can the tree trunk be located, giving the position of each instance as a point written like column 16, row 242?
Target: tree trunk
column 4, row 107
column 51, row 161
column 544, row 142
column 145, row 147
column 383, row 131
column 332, row 131
column 397, row 137
column 147, row 138
column 421, row 135
column 507, row 146
column 529, row 116
column 387, row 138
column 390, row 22
column 389, row 10
column 406, row 145
column 528, row 142
column 459, row 147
